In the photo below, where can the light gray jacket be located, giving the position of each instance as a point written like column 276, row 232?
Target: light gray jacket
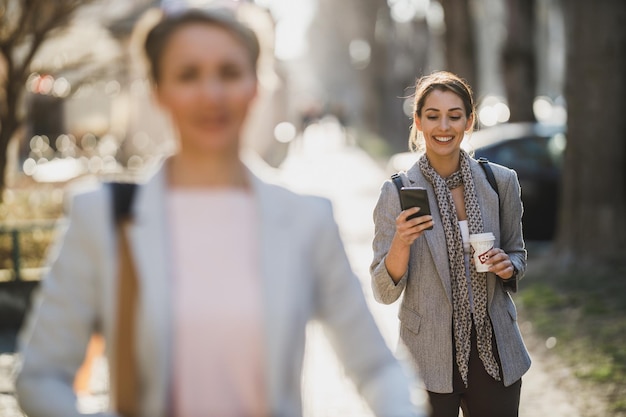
column 426, row 309
column 306, row 276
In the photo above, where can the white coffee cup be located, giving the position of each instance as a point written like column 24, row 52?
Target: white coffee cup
column 481, row 243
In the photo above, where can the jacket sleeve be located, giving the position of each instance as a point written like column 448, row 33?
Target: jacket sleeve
column 57, row 329
column 387, row 208
column 382, row 380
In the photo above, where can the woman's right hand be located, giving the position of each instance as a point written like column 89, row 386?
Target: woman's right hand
column 407, row 231
column 397, row 259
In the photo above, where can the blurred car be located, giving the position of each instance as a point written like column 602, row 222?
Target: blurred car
column 535, row 152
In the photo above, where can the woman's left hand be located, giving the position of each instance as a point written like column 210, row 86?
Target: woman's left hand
column 500, row 263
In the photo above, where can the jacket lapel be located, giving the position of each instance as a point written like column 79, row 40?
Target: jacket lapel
column 148, row 236
column 436, row 240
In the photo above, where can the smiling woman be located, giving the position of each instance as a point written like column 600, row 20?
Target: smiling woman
column 458, row 323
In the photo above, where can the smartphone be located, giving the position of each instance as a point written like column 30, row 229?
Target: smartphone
column 415, row 197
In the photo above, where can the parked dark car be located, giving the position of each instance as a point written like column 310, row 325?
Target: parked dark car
column 535, row 152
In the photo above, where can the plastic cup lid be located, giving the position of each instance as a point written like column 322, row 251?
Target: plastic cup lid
column 481, row 236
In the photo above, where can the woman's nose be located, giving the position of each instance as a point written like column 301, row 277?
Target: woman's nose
column 212, row 88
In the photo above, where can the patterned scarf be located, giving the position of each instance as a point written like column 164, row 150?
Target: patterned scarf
column 462, row 316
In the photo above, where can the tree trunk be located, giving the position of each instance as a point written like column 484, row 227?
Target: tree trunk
column 407, row 48
column 593, row 215
column 354, row 88
column 4, row 141
column 9, row 123
column 519, row 61
column 372, row 77
column 460, row 39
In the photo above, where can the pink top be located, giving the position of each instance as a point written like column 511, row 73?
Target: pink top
column 218, row 358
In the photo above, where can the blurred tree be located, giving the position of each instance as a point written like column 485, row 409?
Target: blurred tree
column 366, row 63
column 24, row 27
column 407, row 46
column 347, row 59
column 593, row 215
column 518, row 60
column 459, row 39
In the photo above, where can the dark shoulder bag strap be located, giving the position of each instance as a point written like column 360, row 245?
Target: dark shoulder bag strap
column 124, row 372
column 122, row 193
column 397, row 181
column 484, row 163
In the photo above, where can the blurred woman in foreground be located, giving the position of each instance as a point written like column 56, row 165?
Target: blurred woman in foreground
column 231, row 269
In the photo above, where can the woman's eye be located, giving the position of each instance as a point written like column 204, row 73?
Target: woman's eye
column 455, row 117
column 188, row 75
column 231, row 73
column 431, row 117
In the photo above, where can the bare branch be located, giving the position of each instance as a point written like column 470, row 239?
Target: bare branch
column 24, row 26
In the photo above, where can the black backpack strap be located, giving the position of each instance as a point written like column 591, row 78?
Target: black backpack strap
column 397, row 181
column 122, row 198
column 484, row 163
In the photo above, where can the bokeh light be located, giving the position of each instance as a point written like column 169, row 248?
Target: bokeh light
column 493, row 110
column 360, row 53
column 285, row 132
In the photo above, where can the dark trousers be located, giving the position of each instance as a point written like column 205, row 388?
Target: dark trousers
column 483, row 397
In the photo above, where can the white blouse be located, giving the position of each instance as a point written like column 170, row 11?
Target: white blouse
column 466, row 255
column 218, row 355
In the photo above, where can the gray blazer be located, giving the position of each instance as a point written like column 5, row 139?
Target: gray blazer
column 425, row 312
column 306, row 276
